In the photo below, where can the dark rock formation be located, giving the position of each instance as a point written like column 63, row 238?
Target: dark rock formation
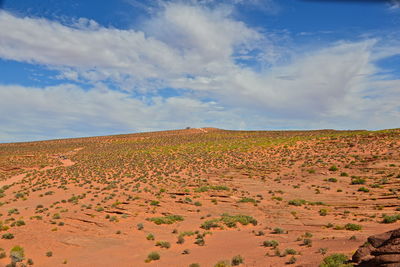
column 382, row 250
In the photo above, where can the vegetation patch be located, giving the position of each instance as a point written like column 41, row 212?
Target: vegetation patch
column 169, row 219
column 229, row 220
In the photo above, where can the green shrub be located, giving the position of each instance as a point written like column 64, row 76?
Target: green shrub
column 2, row 253
column 278, row 230
column 210, row 224
column 391, row 218
column 333, row 168
column 169, row 219
column 153, row 256
column 222, row 264
column 290, row 251
column 323, row 212
column 353, row 227
column 7, row 236
column 231, row 220
column 332, row 180
column 181, row 240
column 297, row 202
column 247, row 200
column 163, row 244
column 237, row 260
column 335, row 260
column 358, row 181
column 307, row 242
column 363, row 189
column 19, row 223
column 154, row 203
column 219, row 187
column 323, row 251
column 17, row 254
column 270, row 243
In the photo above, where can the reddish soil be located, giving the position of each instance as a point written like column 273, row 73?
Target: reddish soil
column 83, row 199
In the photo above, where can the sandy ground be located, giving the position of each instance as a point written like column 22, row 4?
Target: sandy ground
column 86, row 209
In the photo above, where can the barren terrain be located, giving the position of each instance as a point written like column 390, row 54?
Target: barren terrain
column 175, row 198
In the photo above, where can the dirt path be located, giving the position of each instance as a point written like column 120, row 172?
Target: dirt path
column 201, row 129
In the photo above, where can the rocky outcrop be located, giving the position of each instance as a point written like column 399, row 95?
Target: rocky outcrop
column 382, row 250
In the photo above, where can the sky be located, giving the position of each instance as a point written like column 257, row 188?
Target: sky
column 95, row 67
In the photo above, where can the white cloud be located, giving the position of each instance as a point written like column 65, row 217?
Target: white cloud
column 394, row 4
column 50, row 43
column 67, row 110
column 190, row 39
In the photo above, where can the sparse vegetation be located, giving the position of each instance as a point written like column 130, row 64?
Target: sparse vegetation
column 153, row 256
column 280, row 178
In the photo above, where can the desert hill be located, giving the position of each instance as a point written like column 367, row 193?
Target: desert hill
column 199, row 195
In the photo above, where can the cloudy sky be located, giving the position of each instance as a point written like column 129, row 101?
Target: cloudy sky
column 84, row 68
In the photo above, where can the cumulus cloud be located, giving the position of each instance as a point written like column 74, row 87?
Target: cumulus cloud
column 68, row 110
column 181, row 39
column 208, row 57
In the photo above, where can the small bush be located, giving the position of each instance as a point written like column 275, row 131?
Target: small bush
column 154, row 203
column 290, row 251
column 19, row 223
column 237, row 260
column 292, row 260
column 163, row 244
column 363, row 189
column 17, row 254
column 297, row 202
column 181, row 240
column 7, row 236
column 2, row 254
column 247, row 200
column 353, row 227
column 210, row 224
column 222, row 264
column 323, row 212
column 278, row 230
column 390, row 218
column 307, row 242
column 153, row 256
column 270, row 243
column 231, row 220
column 335, row 260
column 358, row 181
column 333, row 168
column 169, row 219
column 323, row 251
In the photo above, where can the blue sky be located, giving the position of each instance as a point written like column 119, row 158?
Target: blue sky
column 83, row 68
